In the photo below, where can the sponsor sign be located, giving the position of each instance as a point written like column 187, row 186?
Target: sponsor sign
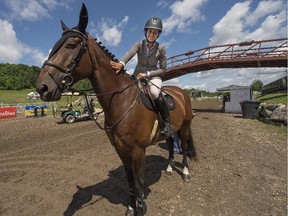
column 8, row 112
column 35, row 111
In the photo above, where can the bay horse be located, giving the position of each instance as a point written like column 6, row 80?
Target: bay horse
column 130, row 127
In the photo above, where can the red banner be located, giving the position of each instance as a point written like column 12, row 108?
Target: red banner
column 8, row 112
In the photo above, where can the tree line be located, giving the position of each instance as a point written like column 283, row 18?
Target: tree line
column 20, row 76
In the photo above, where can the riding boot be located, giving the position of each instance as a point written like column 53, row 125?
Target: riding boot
column 164, row 112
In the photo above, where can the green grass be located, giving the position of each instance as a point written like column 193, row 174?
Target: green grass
column 274, row 98
column 281, row 132
column 15, row 96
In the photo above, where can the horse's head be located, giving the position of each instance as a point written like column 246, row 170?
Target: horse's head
column 67, row 62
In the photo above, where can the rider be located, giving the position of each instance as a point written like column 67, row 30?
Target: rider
column 150, row 53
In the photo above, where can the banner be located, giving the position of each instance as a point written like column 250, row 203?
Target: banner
column 8, row 112
column 36, row 111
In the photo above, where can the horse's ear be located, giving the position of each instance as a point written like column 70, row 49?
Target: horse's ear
column 83, row 19
column 64, row 27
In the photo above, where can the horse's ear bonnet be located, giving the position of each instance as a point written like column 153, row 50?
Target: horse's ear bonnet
column 83, row 19
column 64, row 27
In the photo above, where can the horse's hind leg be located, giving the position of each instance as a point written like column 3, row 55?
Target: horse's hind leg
column 185, row 172
column 171, row 163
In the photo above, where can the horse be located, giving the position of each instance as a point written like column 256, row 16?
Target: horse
column 130, row 127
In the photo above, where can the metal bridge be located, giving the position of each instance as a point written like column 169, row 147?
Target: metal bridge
column 247, row 54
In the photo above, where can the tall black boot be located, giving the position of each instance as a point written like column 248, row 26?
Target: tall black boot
column 164, row 112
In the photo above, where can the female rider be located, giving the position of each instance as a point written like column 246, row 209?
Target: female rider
column 150, row 53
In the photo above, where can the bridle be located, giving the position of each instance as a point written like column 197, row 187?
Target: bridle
column 67, row 78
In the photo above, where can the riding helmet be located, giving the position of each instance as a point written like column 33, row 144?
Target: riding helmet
column 154, row 23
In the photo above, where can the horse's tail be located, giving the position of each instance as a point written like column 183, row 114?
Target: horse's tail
column 191, row 149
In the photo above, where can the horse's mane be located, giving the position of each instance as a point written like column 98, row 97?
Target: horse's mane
column 111, row 56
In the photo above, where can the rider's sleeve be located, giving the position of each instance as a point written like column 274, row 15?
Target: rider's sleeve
column 162, row 63
column 131, row 53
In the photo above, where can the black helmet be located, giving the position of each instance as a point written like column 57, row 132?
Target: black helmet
column 154, row 23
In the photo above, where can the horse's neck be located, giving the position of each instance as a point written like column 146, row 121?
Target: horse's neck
column 110, row 87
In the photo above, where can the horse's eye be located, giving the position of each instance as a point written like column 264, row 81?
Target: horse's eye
column 71, row 46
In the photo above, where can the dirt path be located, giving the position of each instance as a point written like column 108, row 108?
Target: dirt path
column 48, row 169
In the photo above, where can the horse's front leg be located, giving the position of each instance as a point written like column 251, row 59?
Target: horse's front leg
column 171, row 161
column 130, row 178
column 138, row 165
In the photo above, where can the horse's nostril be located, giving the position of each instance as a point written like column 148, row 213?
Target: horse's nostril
column 43, row 88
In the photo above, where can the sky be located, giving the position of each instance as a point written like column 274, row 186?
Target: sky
column 30, row 28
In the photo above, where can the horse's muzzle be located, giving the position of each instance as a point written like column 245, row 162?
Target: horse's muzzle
column 46, row 94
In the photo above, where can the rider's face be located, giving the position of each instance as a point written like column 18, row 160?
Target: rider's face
column 152, row 35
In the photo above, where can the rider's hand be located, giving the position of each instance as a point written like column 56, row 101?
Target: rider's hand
column 116, row 66
column 141, row 75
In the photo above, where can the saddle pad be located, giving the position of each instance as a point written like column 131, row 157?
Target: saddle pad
column 149, row 105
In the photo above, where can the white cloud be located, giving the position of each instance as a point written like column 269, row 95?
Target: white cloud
column 183, row 14
column 174, row 81
column 267, row 21
column 36, row 56
column 263, row 9
column 12, row 50
column 211, row 80
column 271, row 28
column 10, row 47
column 33, row 10
column 168, row 43
column 110, row 32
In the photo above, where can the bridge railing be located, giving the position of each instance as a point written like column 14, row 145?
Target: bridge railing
column 247, row 49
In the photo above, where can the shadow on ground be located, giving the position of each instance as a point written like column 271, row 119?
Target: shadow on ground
column 115, row 188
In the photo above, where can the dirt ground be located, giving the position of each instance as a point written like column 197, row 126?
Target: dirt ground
column 48, row 169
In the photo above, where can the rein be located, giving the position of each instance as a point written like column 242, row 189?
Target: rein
column 106, row 127
column 68, row 79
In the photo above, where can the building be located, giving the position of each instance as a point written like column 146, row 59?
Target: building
column 277, row 85
column 237, row 95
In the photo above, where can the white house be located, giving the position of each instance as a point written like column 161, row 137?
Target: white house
column 237, row 94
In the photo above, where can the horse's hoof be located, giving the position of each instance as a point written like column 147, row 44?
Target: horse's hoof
column 186, row 177
column 168, row 172
column 130, row 211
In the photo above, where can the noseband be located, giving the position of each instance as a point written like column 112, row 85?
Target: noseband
column 67, row 78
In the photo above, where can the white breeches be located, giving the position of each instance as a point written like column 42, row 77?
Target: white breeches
column 155, row 85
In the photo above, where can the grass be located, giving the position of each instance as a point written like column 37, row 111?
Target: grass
column 274, row 98
column 14, row 97
column 281, row 132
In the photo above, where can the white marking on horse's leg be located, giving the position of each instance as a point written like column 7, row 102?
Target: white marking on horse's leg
column 169, row 169
column 186, row 175
column 185, row 171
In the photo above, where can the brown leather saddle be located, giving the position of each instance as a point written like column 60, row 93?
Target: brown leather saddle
column 148, row 101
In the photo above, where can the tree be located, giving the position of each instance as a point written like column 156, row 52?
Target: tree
column 256, row 85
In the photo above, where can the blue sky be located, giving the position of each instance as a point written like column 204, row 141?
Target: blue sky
column 29, row 29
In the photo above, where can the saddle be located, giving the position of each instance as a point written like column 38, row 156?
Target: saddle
column 148, row 101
